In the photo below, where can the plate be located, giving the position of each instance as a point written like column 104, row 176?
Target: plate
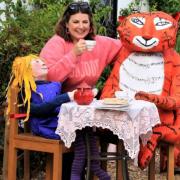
column 114, row 108
column 115, row 101
column 99, row 104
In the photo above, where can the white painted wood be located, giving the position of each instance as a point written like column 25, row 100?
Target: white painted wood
column 144, row 5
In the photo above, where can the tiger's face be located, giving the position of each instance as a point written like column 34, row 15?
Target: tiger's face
column 148, row 32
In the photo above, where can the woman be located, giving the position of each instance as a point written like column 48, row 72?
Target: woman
column 69, row 62
column 66, row 55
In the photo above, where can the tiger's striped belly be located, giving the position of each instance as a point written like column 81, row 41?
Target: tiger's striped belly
column 142, row 72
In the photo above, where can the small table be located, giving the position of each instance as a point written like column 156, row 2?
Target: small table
column 128, row 125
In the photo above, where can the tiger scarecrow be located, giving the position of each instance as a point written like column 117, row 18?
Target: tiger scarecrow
column 148, row 68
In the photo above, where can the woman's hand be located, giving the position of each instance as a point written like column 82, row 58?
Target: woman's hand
column 79, row 47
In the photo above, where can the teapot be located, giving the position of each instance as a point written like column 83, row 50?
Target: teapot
column 84, row 94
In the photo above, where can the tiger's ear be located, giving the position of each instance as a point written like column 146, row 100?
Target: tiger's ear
column 176, row 16
column 121, row 18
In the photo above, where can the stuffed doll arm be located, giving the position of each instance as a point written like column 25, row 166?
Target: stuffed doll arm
column 164, row 102
column 46, row 108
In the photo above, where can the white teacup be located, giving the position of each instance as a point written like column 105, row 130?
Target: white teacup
column 121, row 95
column 90, row 44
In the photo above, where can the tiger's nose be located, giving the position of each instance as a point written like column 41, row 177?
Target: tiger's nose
column 146, row 38
column 147, row 33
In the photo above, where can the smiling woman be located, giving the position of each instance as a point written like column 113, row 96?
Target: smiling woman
column 70, row 60
column 66, row 53
column 78, row 26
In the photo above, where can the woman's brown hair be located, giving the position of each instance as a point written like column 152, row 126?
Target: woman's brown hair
column 73, row 8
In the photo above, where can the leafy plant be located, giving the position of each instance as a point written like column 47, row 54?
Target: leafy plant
column 23, row 32
column 100, row 14
column 103, row 78
column 168, row 6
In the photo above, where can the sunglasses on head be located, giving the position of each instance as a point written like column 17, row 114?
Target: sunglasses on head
column 81, row 6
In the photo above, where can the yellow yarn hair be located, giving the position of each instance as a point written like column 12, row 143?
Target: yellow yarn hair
column 22, row 78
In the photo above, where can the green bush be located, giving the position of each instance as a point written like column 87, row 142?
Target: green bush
column 26, row 31
column 168, row 6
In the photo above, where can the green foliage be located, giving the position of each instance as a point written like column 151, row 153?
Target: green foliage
column 103, row 78
column 178, row 43
column 100, row 13
column 168, row 6
column 26, row 30
column 44, row 3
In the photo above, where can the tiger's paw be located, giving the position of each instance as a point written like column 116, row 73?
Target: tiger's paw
column 170, row 134
column 146, row 154
column 145, row 158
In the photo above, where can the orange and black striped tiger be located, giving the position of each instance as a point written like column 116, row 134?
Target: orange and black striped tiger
column 148, row 68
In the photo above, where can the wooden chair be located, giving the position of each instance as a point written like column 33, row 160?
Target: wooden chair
column 170, row 163
column 28, row 142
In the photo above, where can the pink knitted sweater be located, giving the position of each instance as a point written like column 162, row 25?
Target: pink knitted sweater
column 65, row 67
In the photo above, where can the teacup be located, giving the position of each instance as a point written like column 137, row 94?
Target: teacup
column 121, row 95
column 90, row 44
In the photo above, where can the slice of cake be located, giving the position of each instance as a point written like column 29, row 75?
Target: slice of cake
column 115, row 101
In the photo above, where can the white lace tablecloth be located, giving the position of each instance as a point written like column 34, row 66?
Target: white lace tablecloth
column 128, row 125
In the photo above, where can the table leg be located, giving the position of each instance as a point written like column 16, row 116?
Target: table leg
column 122, row 167
column 121, row 157
column 125, row 169
column 88, row 156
